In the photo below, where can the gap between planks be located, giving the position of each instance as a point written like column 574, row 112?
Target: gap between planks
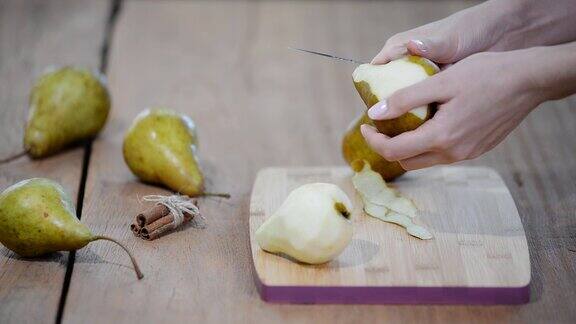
column 114, row 11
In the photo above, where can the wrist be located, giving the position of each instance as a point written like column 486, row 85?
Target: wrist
column 511, row 20
column 502, row 20
column 547, row 73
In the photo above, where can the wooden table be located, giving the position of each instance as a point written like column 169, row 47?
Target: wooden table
column 257, row 104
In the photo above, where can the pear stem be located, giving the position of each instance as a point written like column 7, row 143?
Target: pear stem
column 139, row 273
column 215, row 194
column 13, row 157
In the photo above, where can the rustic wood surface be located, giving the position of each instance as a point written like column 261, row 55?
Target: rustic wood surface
column 257, row 104
column 33, row 36
column 465, row 252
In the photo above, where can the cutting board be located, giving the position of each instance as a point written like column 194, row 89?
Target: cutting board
column 479, row 254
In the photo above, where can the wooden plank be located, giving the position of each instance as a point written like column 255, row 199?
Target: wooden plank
column 467, row 262
column 257, row 105
column 34, row 35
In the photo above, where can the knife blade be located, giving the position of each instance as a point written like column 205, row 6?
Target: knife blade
column 328, row 55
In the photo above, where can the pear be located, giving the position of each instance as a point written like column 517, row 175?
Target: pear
column 377, row 82
column 312, row 225
column 37, row 217
column 66, row 106
column 161, row 148
column 355, row 148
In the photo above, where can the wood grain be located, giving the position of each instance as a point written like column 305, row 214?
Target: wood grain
column 478, row 240
column 33, row 36
column 257, row 105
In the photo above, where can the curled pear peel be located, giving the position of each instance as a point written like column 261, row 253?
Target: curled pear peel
column 67, row 106
column 385, row 203
column 354, row 147
column 312, row 225
column 161, row 148
column 37, row 217
column 377, row 82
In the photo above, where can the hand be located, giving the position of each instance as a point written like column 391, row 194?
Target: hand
column 496, row 25
column 451, row 39
column 481, row 100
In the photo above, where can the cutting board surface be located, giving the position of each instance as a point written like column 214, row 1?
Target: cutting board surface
column 479, row 253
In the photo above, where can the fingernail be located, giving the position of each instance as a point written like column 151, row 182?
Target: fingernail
column 378, row 111
column 363, row 129
column 420, row 45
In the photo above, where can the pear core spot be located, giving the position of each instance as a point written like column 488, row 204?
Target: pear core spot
column 342, row 210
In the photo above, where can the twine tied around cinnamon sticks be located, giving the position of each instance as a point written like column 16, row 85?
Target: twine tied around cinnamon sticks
column 168, row 213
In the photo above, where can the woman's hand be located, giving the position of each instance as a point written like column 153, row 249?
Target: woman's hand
column 481, row 100
column 453, row 38
column 496, row 25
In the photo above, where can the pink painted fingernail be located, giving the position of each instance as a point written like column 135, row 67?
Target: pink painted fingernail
column 378, row 111
column 422, row 48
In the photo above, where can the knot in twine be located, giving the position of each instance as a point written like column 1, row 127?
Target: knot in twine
column 178, row 205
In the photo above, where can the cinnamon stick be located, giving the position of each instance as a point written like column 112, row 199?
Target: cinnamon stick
column 135, row 228
column 155, row 222
column 151, row 215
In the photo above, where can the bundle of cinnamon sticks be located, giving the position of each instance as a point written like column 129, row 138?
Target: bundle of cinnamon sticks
column 155, row 222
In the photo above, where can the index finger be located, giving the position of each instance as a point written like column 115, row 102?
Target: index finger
column 390, row 52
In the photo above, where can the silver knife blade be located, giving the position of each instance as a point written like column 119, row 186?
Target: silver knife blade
column 328, row 55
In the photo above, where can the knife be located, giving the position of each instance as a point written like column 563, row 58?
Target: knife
column 328, row 55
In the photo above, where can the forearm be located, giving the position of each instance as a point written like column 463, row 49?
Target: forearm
column 550, row 72
column 530, row 23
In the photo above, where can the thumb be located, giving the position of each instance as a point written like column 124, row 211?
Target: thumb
column 440, row 50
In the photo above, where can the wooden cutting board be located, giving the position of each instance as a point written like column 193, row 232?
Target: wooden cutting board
column 479, row 254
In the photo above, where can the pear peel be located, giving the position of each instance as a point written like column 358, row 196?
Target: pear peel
column 405, row 221
column 385, row 203
column 312, row 225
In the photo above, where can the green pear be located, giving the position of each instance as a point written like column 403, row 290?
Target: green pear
column 377, row 82
column 312, row 225
column 37, row 217
column 161, row 148
column 355, row 148
column 66, row 106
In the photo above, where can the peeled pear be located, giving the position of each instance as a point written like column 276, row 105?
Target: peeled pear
column 37, row 217
column 355, row 148
column 377, row 82
column 312, row 225
column 161, row 148
column 66, row 106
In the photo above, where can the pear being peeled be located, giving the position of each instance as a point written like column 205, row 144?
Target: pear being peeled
column 66, row 106
column 37, row 217
column 160, row 147
column 312, row 225
column 377, row 82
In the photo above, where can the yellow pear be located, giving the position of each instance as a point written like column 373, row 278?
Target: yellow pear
column 38, row 217
column 66, row 106
column 377, row 82
column 355, row 148
column 160, row 147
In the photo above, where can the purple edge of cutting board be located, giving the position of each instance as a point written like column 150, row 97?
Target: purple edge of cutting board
column 392, row 295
